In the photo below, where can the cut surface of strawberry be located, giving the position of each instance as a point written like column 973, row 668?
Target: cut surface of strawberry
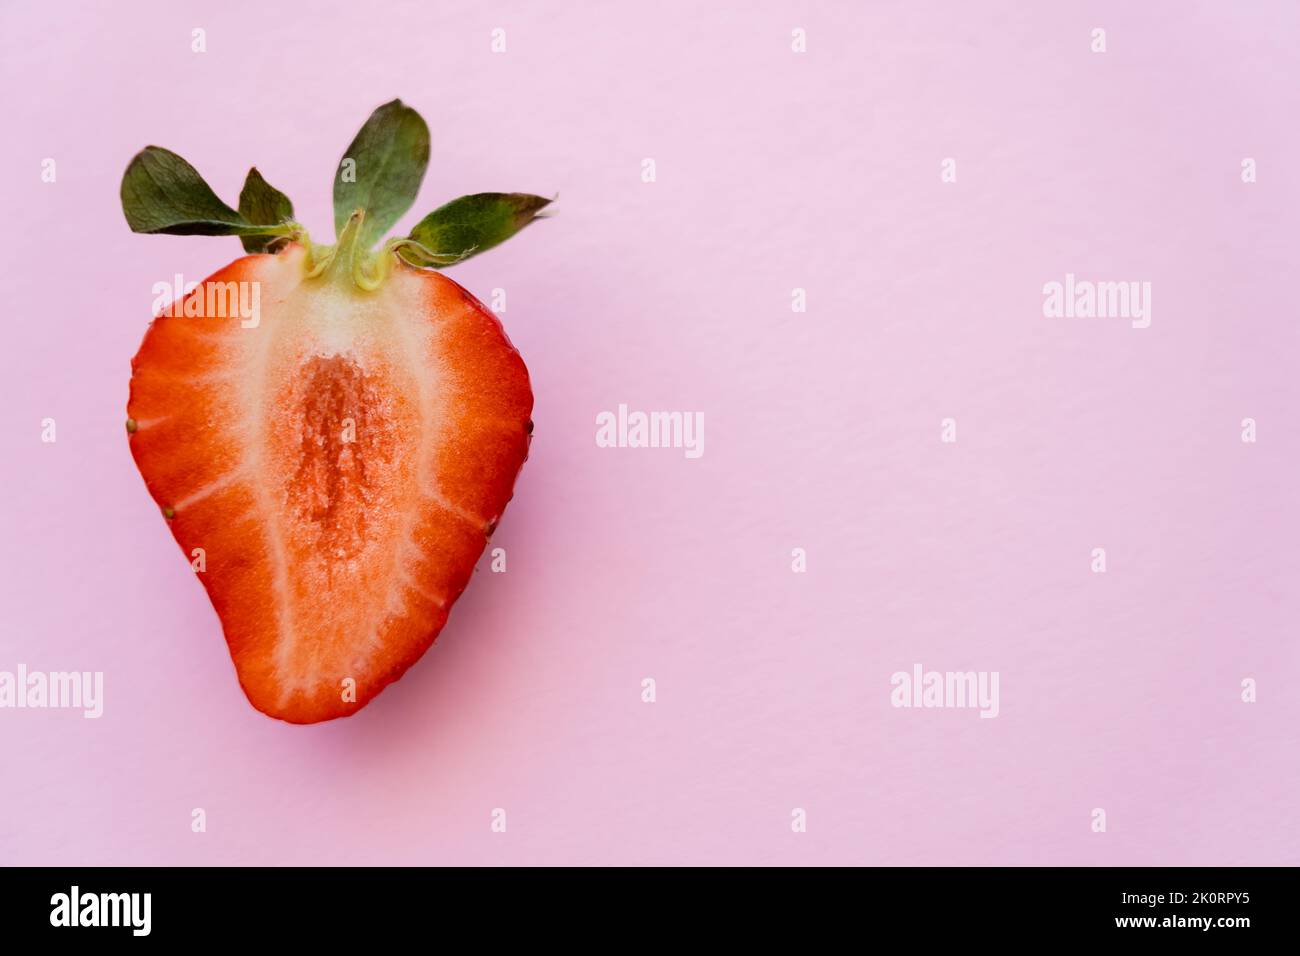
column 334, row 464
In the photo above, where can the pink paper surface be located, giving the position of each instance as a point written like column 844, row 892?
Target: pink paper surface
column 775, row 170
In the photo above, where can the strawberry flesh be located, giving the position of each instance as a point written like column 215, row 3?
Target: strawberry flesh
column 340, row 464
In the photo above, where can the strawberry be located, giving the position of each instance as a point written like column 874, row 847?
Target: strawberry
column 331, row 432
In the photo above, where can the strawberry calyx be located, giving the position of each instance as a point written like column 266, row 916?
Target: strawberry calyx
column 376, row 182
column 347, row 261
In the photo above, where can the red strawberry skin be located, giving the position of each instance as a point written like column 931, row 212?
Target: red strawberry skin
column 341, row 465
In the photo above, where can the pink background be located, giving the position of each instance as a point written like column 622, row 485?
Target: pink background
column 775, row 170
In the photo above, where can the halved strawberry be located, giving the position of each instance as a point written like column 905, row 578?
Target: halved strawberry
column 342, row 456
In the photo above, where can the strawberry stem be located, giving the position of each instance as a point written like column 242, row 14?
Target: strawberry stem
column 349, row 261
column 378, row 179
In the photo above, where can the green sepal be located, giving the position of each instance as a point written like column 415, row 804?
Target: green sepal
column 262, row 204
column 418, row 255
column 161, row 193
column 469, row 225
column 381, row 171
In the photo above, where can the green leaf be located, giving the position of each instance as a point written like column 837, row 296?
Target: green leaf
column 163, row 193
column 381, row 171
column 471, row 224
column 262, row 204
column 418, row 255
